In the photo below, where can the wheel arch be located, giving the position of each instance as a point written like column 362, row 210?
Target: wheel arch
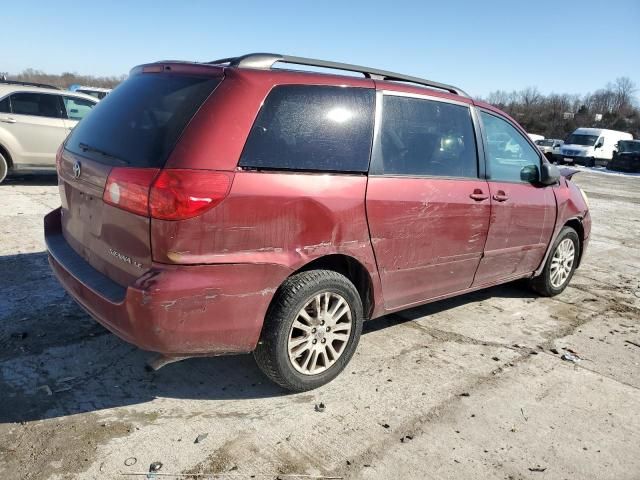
column 5, row 153
column 351, row 268
column 576, row 224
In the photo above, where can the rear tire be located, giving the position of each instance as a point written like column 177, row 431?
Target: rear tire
column 311, row 330
column 4, row 168
column 560, row 265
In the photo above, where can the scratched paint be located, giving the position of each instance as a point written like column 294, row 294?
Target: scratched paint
column 428, row 235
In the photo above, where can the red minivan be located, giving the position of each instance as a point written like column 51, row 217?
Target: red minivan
column 236, row 207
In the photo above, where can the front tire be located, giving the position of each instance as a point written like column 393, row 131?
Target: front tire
column 4, row 168
column 311, row 330
column 560, row 266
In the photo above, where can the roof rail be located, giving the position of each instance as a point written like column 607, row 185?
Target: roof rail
column 267, row 60
column 27, row 84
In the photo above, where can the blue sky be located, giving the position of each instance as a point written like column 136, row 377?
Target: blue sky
column 481, row 45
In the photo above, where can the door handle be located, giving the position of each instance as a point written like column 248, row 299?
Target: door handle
column 478, row 195
column 500, row 196
column 8, row 120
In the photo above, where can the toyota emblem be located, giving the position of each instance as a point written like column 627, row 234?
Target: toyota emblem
column 77, row 169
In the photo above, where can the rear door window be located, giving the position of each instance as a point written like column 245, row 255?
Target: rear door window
column 315, row 128
column 421, row 137
column 77, row 108
column 139, row 123
column 37, row 104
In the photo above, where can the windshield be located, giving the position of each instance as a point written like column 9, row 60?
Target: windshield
column 629, row 146
column 577, row 139
column 545, row 143
column 139, row 122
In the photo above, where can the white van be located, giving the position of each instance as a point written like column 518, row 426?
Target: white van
column 591, row 146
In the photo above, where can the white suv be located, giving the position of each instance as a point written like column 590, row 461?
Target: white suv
column 34, row 120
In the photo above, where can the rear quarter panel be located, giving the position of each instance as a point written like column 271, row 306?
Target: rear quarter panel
column 284, row 219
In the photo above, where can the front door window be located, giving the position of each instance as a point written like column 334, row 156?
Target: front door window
column 510, row 157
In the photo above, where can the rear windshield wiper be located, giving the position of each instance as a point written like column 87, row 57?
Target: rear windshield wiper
column 88, row 148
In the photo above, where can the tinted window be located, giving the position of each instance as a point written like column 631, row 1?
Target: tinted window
column 626, row 146
column 312, row 128
column 508, row 152
column 4, row 105
column 425, row 137
column 140, row 121
column 578, row 139
column 37, row 104
column 77, row 108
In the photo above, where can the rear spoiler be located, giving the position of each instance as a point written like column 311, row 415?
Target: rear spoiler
column 568, row 172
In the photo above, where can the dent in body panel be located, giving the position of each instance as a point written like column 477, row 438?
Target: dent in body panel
column 570, row 206
column 209, row 309
column 284, row 219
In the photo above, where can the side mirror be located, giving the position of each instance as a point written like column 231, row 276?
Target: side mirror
column 530, row 173
column 599, row 144
column 549, row 174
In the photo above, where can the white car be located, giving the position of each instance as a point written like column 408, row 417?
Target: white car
column 550, row 147
column 34, row 121
column 535, row 137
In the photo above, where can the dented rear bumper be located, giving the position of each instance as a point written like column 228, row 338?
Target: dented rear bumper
column 171, row 309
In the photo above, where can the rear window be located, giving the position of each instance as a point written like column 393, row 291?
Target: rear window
column 317, row 128
column 139, row 123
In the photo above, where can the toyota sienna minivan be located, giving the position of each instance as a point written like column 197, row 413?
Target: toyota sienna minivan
column 239, row 206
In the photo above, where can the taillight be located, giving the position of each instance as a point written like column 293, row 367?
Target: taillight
column 179, row 194
column 173, row 194
column 128, row 189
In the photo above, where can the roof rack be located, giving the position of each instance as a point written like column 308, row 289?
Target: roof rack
column 266, row 61
column 27, row 84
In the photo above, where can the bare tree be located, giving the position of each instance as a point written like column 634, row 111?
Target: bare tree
column 623, row 89
column 611, row 107
column 66, row 79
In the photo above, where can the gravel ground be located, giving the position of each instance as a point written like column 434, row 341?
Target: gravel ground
column 465, row 388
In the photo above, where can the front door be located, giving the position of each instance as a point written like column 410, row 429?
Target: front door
column 523, row 213
column 428, row 210
column 38, row 127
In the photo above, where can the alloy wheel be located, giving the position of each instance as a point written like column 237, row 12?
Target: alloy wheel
column 562, row 263
column 320, row 333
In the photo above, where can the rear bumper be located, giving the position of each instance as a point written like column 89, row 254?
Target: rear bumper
column 171, row 309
